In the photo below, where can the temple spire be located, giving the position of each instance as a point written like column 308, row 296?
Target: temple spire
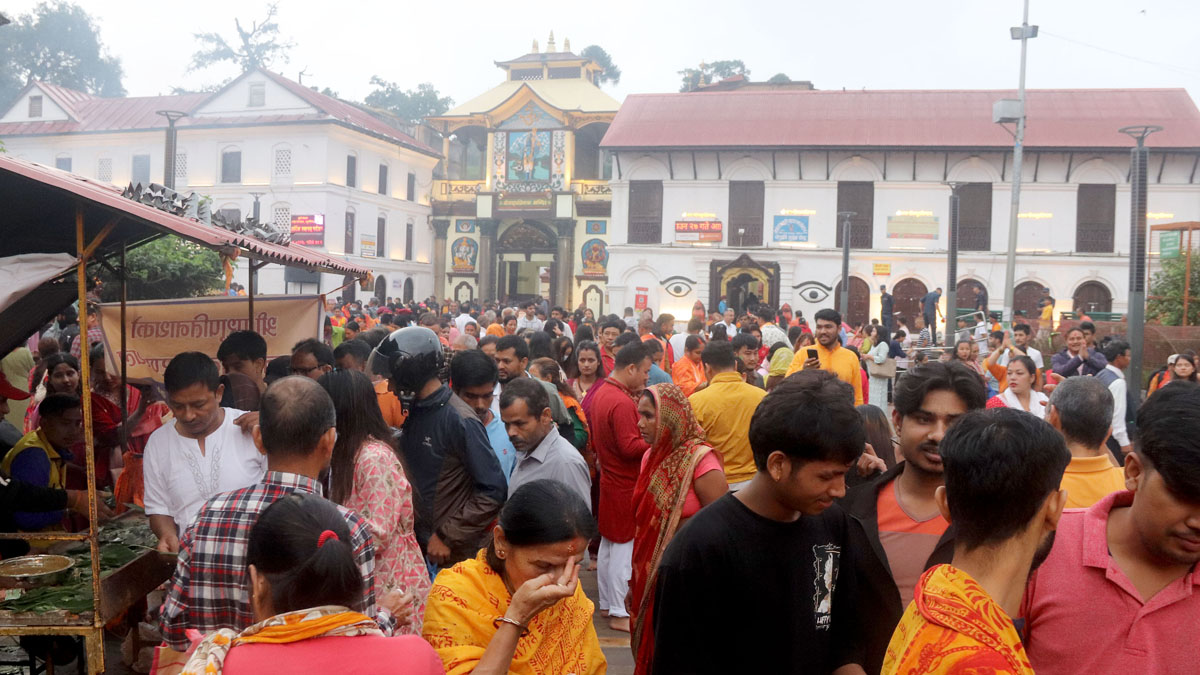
column 550, row 44
column 535, row 46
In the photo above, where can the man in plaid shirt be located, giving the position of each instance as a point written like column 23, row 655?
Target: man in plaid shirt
column 209, row 589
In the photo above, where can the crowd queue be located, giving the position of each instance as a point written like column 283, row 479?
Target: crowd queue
column 757, row 494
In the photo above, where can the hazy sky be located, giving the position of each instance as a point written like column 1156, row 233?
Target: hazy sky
column 874, row 44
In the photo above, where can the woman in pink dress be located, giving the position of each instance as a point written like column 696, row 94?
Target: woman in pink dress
column 367, row 476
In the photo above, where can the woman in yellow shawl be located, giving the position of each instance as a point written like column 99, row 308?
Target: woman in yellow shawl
column 518, row 607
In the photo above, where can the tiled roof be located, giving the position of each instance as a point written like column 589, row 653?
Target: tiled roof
column 1057, row 118
column 139, row 113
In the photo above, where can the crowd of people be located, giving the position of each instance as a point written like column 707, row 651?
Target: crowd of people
column 429, row 479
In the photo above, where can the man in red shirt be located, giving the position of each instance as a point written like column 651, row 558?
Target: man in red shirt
column 612, row 413
column 1119, row 592
column 609, row 332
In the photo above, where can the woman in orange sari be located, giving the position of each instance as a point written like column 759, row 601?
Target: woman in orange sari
column 680, row 474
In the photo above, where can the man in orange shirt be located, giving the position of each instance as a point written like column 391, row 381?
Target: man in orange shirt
column 688, row 372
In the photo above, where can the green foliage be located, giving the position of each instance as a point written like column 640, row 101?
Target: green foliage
column 779, row 78
column 1166, row 292
column 707, row 73
column 57, row 43
column 411, row 105
column 258, row 46
column 170, row 267
column 611, row 72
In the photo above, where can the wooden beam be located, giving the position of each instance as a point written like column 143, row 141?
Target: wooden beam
column 945, row 166
column 914, row 171
column 670, row 166
column 1037, row 164
column 1161, row 166
column 800, row 164
column 885, row 164
column 774, row 173
column 1003, row 165
column 827, row 174
column 694, row 165
column 1070, row 162
column 104, row 232
column 617, row 159
column 1195, row 163
column 720, row 173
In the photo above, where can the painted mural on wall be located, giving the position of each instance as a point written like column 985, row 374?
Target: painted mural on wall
column 499, row 152
column 528, row 156
column 464, row 226
column 558, row 160
column 597, row 227
column 595, row 258
column 464, row 251
column 530, row 116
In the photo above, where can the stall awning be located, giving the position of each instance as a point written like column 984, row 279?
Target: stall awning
column 38, row 216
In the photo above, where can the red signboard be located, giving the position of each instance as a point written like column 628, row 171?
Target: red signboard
column 698, row 230
column 308, row 230
column 641, row 298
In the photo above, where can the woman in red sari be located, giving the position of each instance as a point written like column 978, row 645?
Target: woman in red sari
column 681, row 473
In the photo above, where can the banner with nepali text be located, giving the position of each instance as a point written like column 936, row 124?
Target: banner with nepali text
column 157, row 330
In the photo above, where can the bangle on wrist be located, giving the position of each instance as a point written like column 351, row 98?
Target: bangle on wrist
column 512, row 622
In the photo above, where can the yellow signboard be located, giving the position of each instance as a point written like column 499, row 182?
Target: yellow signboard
column 157, row 330
column 882, row 269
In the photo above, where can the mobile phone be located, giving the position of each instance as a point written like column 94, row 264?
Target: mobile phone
column 812, row 353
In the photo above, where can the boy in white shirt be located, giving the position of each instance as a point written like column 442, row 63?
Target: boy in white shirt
column 202, row 452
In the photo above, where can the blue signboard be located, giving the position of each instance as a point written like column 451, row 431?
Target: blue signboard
column 791, row 228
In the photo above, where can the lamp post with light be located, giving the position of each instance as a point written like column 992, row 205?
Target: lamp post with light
column 844, row 305
column 1137, row 248
column 1005, row 111
column 952, row 269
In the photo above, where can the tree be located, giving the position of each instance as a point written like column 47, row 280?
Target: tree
column 779, row 78
column 259, row 46
column 411, row 105
column 1166, row 292
column 707, row 73
column 170, row 267
column 58, row 43
column 611, row 72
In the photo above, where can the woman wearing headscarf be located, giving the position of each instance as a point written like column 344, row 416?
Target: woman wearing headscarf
column 681, row 473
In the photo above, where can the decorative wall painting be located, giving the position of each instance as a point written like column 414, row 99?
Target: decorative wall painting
column 464, row 251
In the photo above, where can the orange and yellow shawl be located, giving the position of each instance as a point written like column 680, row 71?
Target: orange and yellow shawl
column 460, row 619
column 953, row 626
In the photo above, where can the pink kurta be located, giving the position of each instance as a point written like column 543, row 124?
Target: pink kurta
column 382, row 495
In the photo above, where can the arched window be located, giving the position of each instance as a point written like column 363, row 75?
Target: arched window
column 971, row 295
column 231, row 165
column 906, row 298
column 1092, row 296
column 408, row 290
column 1027, row 298
column 859, row 309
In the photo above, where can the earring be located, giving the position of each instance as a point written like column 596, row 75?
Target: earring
column 501, row 554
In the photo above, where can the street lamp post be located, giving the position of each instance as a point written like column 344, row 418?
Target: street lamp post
column 1023, row 33
column 169, row 152
column 844, row 305
column 1137, row 248
column 952, row 269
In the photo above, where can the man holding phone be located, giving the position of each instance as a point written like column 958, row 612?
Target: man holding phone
column 828, row 354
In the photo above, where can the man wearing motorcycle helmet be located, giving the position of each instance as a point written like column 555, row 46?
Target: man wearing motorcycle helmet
column 458, row 481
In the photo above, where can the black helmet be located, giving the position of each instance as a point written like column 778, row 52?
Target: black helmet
column 409, row 357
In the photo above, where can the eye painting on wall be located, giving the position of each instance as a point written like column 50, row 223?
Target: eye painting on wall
column 678, row 286
column 812, row 291
column 595, row 258
column 464, row 251
column 528, row 155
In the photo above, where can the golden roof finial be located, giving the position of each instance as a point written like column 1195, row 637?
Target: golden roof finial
column 566, row 44
column 550, row 43
column 535, row 46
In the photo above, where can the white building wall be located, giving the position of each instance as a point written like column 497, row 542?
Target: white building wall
column 316, row 185
column 1046, row 245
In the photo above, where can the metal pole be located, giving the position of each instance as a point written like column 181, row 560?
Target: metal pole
column 169, row 150
column 1010, row 262
column 844, row 305
column 1187, row 278
column 124, row 367
column 952, row 271
column 85, row 371
column 1138, row 160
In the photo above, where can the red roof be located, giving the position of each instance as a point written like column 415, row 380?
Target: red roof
column 39, row 202
column 139, row 113
column 1057, row 118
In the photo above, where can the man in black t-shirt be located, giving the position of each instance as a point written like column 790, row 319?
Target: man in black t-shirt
column 762, row 581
